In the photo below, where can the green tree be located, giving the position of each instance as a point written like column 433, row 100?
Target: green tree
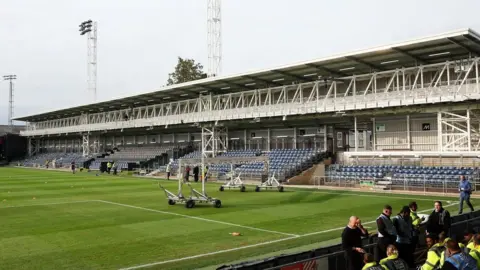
column 186, row 70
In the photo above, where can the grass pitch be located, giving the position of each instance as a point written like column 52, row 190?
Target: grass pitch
column 56, row 220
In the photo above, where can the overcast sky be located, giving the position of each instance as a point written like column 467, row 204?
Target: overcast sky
column 139, row 41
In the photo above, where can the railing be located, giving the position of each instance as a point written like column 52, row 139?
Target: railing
column 332, row 257
column 321, row 104
column 422, row 185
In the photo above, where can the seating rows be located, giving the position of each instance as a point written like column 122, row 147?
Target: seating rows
column 137, row 153
column 59, row 159
column 281, row 161
column 414, row 174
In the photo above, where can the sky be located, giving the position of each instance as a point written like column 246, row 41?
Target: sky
column 139, row 41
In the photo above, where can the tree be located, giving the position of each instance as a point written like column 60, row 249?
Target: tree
column 186, row 70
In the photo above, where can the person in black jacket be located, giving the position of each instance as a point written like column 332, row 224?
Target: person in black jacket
column 195, row 173
column 352, row 243
column 439, row 220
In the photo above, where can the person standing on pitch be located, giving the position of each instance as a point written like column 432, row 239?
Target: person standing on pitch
column 387, row 234
column 167, row 170
column 195, row 173
column 352, row 243
column 187, row 173
column 465, row 189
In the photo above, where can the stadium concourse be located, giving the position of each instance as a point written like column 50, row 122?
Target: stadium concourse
column 399, row 117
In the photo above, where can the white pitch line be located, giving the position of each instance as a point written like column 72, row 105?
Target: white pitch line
column 44, row 204
column 199, row 218
column 369, row 222
column 206, row 254
column 250, row 246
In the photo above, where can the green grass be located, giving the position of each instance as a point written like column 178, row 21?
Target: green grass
column 56, row 220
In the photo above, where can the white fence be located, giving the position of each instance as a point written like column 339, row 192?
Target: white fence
column 418, row 185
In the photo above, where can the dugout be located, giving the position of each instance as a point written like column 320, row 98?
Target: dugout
column 12, row 147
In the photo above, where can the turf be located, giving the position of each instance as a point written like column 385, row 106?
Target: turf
column 56, row 220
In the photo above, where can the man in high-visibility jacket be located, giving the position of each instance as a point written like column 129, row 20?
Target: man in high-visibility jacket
column 205, row 173
column 109, row 167
column 435, row 250
column 416, row 222
column 475, row 249
column 392, row 261
column 370, row 263
column 468, row 238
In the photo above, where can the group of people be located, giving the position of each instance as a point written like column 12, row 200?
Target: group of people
column 398, row 239
column 112, row 166
column 186, row 175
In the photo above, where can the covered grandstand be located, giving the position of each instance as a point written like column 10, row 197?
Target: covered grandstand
column 412, row 104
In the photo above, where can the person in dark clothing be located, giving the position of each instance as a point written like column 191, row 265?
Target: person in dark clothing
column 439, row 220
column 352, row 243
column 187, row 173
column 195, row 173
column 416, row 222
column 403, row 225
column 387, row 234
column 73, row 167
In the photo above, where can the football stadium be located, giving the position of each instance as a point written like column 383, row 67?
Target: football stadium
column 259, row 170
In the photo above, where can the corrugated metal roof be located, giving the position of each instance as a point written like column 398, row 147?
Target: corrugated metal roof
column 454, row 45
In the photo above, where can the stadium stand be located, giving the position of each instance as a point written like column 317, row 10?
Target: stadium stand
column 61, row 160
column 138, row 154
column 414, row 101
column 283, row 163
column 397, row 172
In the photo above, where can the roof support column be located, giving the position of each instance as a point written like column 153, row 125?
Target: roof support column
column 85, row 144
column 469, row 131
column 268, row 139
column 325, row 138
column 408, row 133
column 245, row 139
column 294, row 138
column 476, row 75
column 439, row 132
column 355, row 133
column 374, row 138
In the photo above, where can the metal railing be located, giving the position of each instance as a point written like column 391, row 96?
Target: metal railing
column 422, row 185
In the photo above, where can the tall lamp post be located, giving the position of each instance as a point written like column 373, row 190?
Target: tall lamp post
column 89, row 28
column 10, row 78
